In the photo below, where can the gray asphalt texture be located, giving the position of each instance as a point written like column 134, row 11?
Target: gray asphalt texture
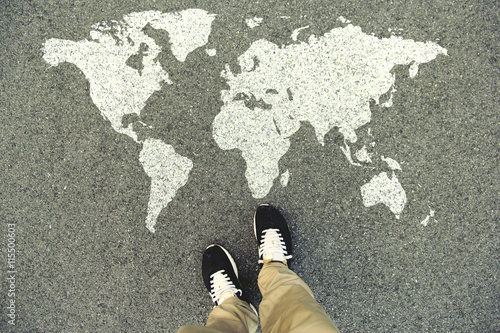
column 78, row 195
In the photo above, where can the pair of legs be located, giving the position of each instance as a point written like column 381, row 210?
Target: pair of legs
column 287, row 305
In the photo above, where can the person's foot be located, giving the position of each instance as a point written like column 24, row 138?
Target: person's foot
column 220, row 274
column 273, row 235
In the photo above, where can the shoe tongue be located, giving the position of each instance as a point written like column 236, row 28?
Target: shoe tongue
column 225, row 295
column 277, row 256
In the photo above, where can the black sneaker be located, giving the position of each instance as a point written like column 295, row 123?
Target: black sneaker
column 220, row 274
column 273, row 235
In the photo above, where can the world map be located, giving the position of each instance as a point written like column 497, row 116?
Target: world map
column 327, row 81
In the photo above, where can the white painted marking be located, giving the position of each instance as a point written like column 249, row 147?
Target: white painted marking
column 254, row 22
column 295, row 33
column 188, row 29
column 254, row 133
column 347, row 152
column 343, row 19
column 363, row 155
column 389, row 102
column 118, row 89
column 211, row 52
column 393, row 164
column 413, row 70
column 115, row 88
column 381, row 189
column 327, row 82
column 285, row 176
column 169, row 172
column 425, row 222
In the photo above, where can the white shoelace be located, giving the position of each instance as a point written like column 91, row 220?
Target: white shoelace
column 220, row 284
column 272, row 247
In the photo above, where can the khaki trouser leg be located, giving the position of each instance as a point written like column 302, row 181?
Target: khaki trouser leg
column 288, row 304
column 233, row 315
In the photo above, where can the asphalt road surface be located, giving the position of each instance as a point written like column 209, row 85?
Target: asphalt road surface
column 74, row 194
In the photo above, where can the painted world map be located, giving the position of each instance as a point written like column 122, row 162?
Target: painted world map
column 326, row 80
